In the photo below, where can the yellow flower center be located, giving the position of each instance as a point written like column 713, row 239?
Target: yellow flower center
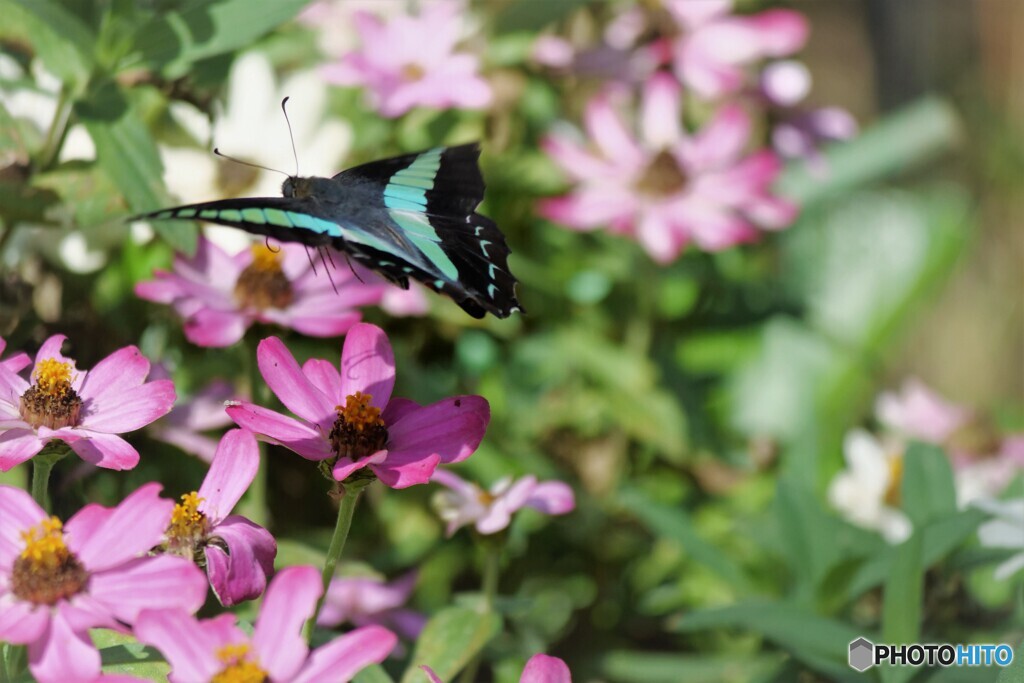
column 893, row 495
column 413, row 72
column 359, row 429
column 50, row 401
column 188, row 527
column 239, row 668
column 662, row 177
column 263, row 283
column 46, row 571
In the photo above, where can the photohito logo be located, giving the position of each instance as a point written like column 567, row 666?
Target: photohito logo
column 864, row 654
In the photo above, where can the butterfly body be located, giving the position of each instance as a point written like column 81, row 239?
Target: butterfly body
column 412, row 216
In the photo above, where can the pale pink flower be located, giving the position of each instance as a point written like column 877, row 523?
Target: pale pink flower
column 540, row 669
column 15, row 363
column 1005, row 530
column 217, row 649
column 86, row 409
column 491, row 510
column 221, row 296
column 58, row 581
column 668, row 187
column 920, row 413
column 185, row 425
column 715, row 46
column 347, row 414
column 238, row 554
column 401, row 70
column 365, row 600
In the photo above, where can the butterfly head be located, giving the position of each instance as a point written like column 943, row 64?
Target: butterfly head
column 296, row 187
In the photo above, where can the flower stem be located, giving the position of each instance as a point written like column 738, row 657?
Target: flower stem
column 57, row 132
column 493, row 547
column 12, row 664
column 42, row 465
column 349, row 497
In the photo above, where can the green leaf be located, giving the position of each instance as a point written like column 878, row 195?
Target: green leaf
column 450, row 640
column 674, row 523
column 126, row 153
column 532, row 16
column 63, row 42
column 374, row 673
column 655, row 667
column 821, row 643
column 123, row 654
column 902, row 600
column 928, row 490
column 172, row 41
column 1015, row 672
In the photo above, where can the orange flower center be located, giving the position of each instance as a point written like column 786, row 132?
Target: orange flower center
column 188, row 527
column 358, row 430
column 46, row 571
column 413, row 72
column 893, row 496
column 263, row 283
column 50, row 401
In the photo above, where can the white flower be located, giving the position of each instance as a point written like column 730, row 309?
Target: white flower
column 1005, row 531
column 867, row 492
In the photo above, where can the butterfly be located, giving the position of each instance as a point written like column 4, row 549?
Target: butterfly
column 410, row 216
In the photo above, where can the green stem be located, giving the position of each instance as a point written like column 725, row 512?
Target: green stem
column 14, row 663
column 346, row 509
column 42, row 465
column 57, row 132
column 493, row 545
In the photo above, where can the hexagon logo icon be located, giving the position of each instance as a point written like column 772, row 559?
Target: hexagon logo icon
column 862, row 654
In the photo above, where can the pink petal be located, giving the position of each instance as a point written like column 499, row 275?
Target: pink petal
column 405, row 469
column 122, row 370
column 22, row 622
column 692, row 14
column 399, row 302
column 346, row 466
column 63, row 654
column 720, row 141
column 240, row 573
column 552, row 498
column 661, row 111
column 573, row 158
column 657, row 237
column 213, row 328
column 105, row 450
column 233, row 468
column 397, row 409
column 12, row 385
column 17, row 362
column 18, row 512
column 287, row 604
column 133, row 528
column 588, row 207
column 544, row 669
column 607, row 130
column 130, row 409
column 161, row 582
column 368, row 364
column 51, row 349
column 324, row 376
column 343, row 657
column 781, row 32
column 451, row 428
column 455, row 483
column 17, row 446
column 285, row 379
column 323, row 325
column 289, row 432
column 185, row 647
column 84, row 524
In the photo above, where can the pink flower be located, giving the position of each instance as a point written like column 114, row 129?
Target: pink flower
column 669, row 187
column 365, row 600
column 350, row 419
column 203, row 412
column 401, row 70
column 715, row 46
column 15, row 363
column 58, row 581
column 86, row 409
column 540, row 669
column 216, row 649
column 920, row 413
column 220, row 296
column 491, row 511
column 238, row 554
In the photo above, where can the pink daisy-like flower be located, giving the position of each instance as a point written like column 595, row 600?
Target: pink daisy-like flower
column 540, row 669
column 59, row 580
column 366, row 600
column 215, row 649
column 15, row 363
column 669, row 187
column 238, row 554
column 491, row 511
column 220, row 296
column 716, row 45
column 86, row 409
column 401, row 71
column 350, row 419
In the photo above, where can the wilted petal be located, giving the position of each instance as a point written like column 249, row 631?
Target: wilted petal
column 240, row 573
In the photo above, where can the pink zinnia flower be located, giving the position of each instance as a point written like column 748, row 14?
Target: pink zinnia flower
column 15, row 363
column 204, row 412
column 401, row 70
column 669, row 187
column 366, row 600
column 220, row 296
column 57, row 581
column 715, row 46
column 350, row 419
column 216, row 649
column 491, row 511
column 238, row 554
column 86, row 409
column 540, row 669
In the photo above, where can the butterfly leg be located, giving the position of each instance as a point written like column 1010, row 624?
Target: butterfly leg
column 310, row 257
column 323, row 260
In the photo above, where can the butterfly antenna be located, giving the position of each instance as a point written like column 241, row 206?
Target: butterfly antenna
column 266, row 243
column 324, row 261
column 291, row 136
column 310, row 257
column 247, row 163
